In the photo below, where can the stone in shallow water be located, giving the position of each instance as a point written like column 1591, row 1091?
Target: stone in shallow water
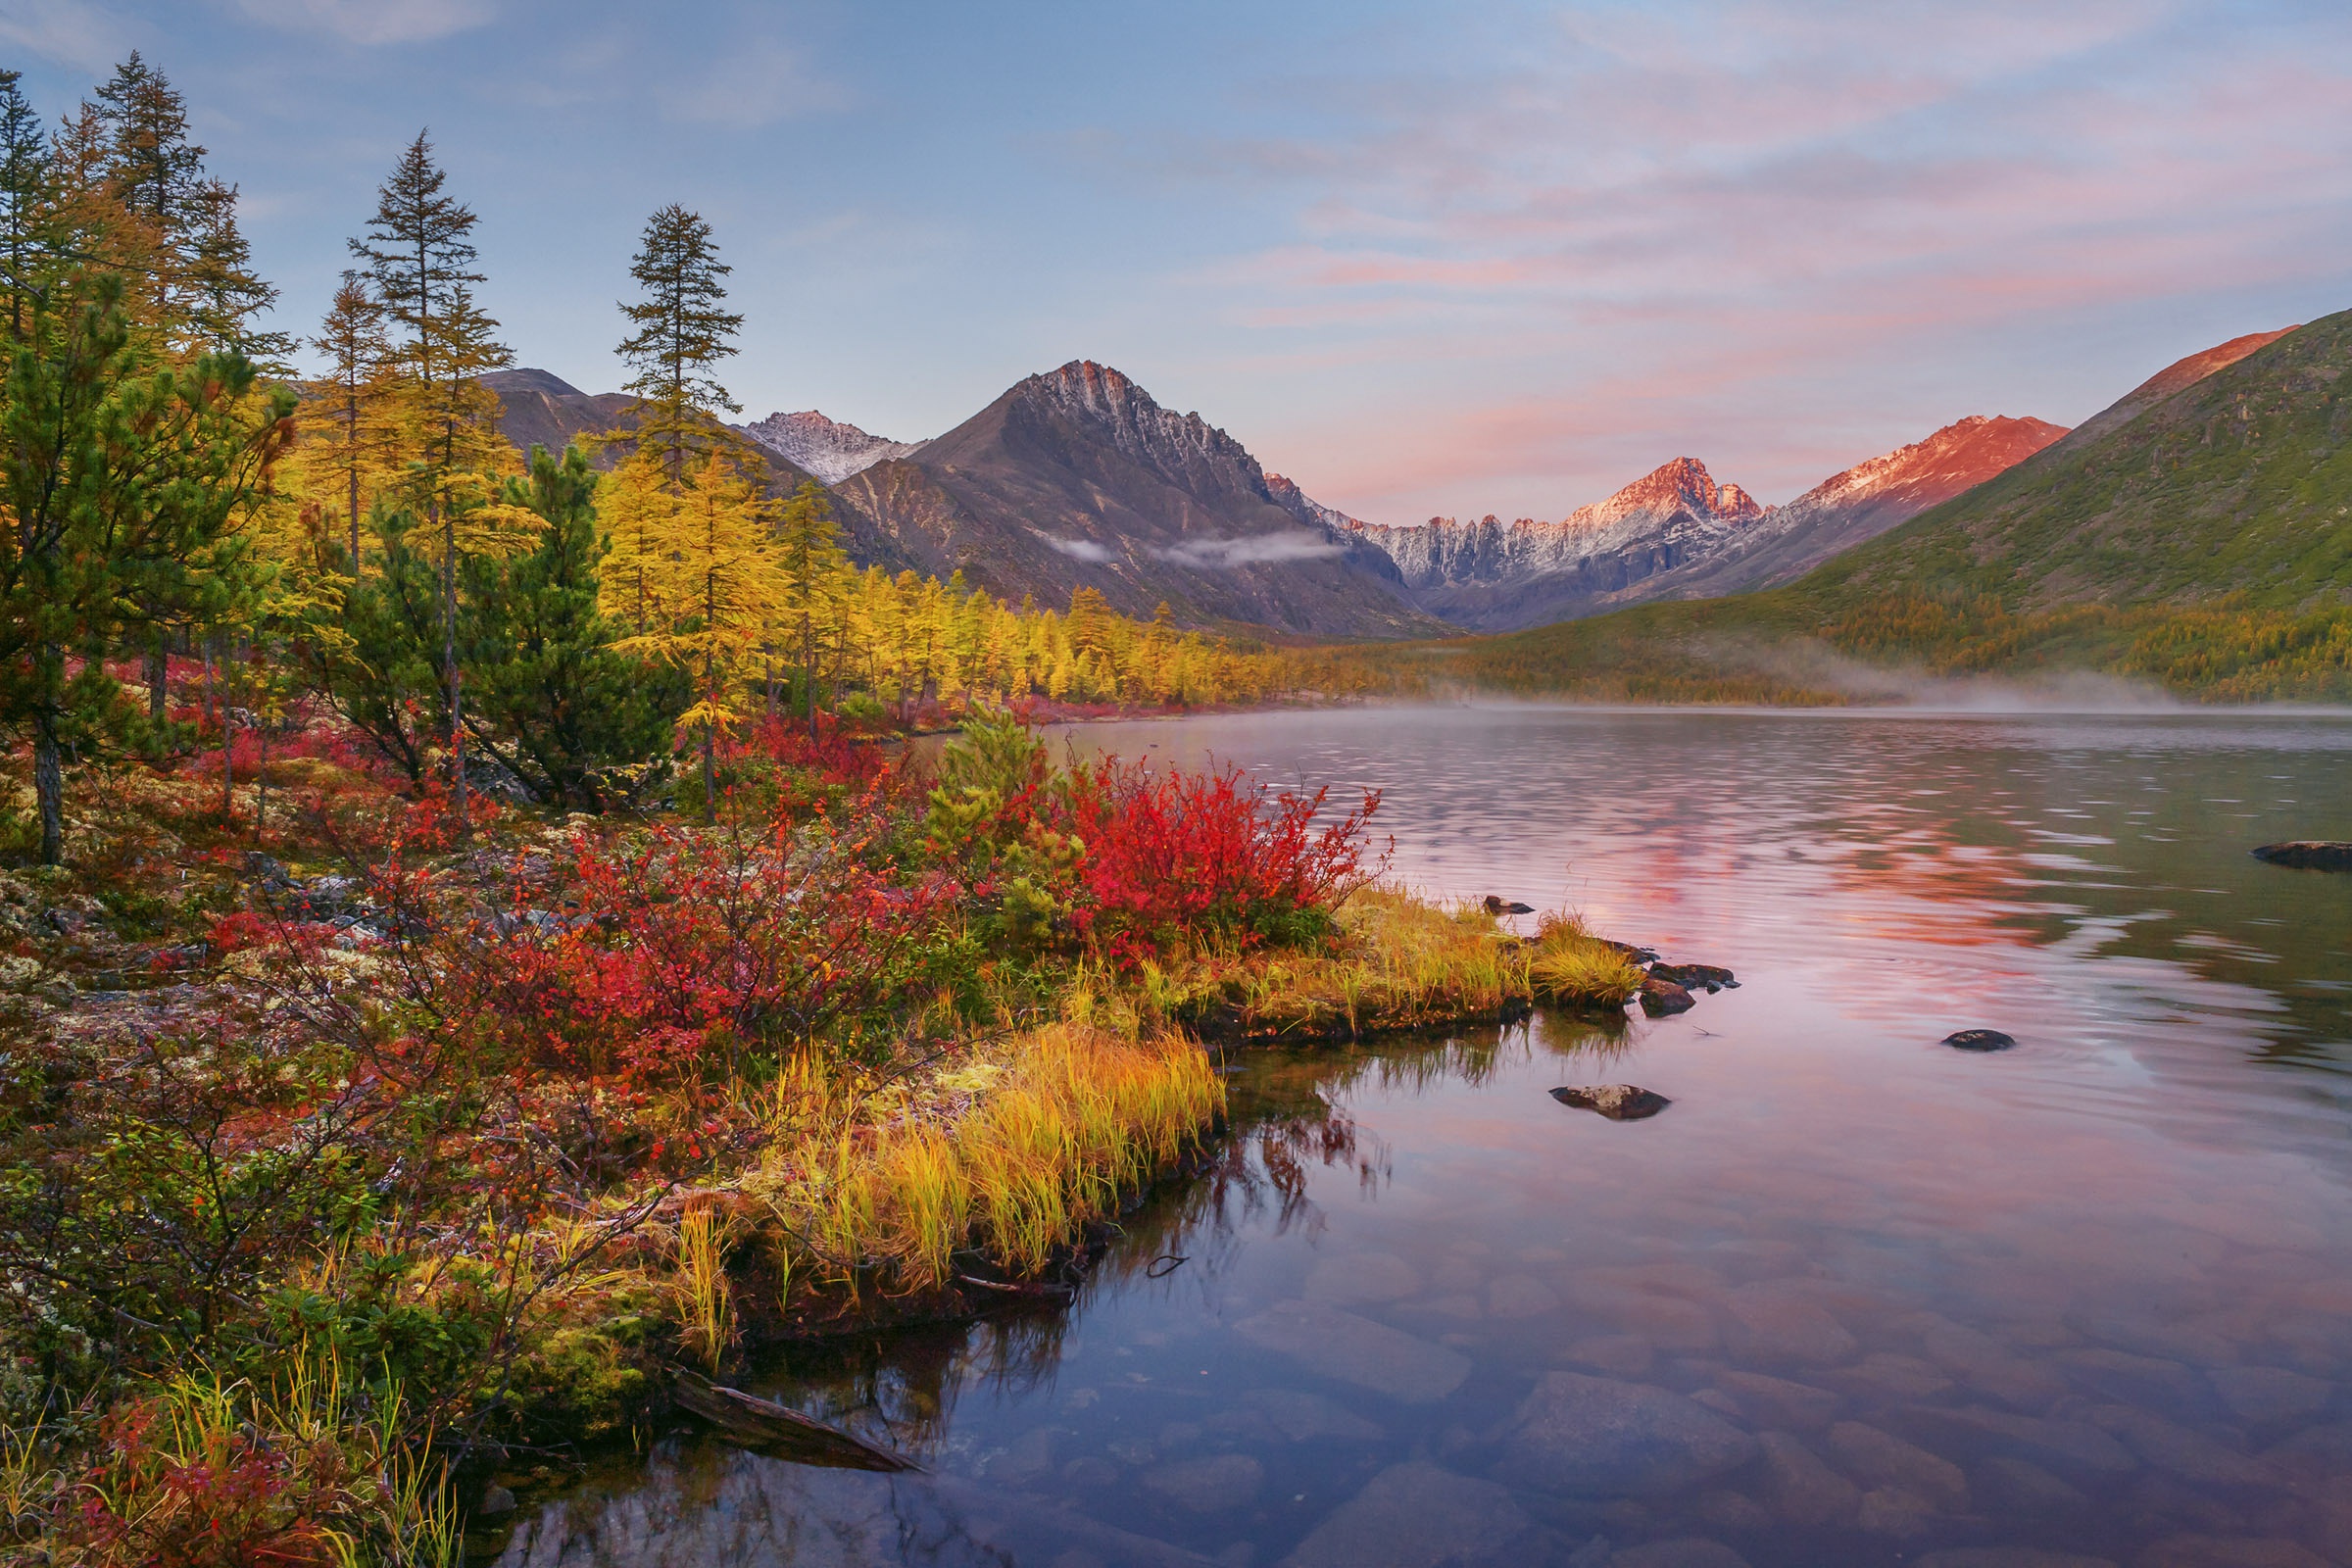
column 1734, row 1511
column 2071, row 1446
column 1772, row 1324
column 1978, row 1040
column 2315, row 1455
column 1691, row 1552
column 2133, row 1379
column 1416, row 1516
column 1905, row 1377
column 2007, row 1486
column 1625, row 1355
column 1617, row 1102
column 1881, row 1459
column 2265, row 1393
column 1516, row 1295
column 2228, row 1551
column 1356, row 1349
column 1355, row 1277
column 1300, row 1415
column 1984, row 1363
column 2192, row 1455
column 1600, row 1436
column 1778, row 1402
column 1895, row 1512
column 1801, row 1487
column 2009, row 1557
column 1217, row 1484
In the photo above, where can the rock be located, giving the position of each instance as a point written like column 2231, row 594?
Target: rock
column 496, row 1502
column 1218, row 1484
column 1356, row 1349
column 2192, row 1455
column 2133, row 1379
column 2267, row 1393
column 1026, row 1460
column 1626, row 1355
column 1734, row 1511
column 1617, row 1102
column 1353, row 1277
column 1773, row 1325
column 2307, row 855
column 1978, row 1359
column 1089, row 1472
column 1895, row 1512
column 2009, row 1557
column 1801, row 1487
column 1978, row 1040
column 1300, row 1415
column 1600, row 1437
column 2228, row 1551
column 1695, row 976
column 1691, row 1552
column 1905, row 1377
column 1414, row 1516
column 1662, row 998
column 1881, row 1459
column 2071, row 1446
column 1776, row 1401
column 2314, row 1455
column 2007, row 1486
column 1516, row 1295
column 2175, row 1342
column 1499, row 906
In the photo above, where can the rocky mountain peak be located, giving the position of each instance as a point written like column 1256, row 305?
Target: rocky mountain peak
column 1683, row 485
column 828, row 448
column 1112, row 404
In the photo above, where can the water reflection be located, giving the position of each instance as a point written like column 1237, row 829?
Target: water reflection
column 1851, row 1300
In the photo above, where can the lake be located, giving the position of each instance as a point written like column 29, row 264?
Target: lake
column 1853, row 1298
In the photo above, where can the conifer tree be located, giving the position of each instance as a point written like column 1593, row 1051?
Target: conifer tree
column 25, row 194
column 353, row 394
column 419, row 254
column 810, row 560
column 709, row 585
column 682, row 330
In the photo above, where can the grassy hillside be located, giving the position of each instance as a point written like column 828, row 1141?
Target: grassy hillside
column 2204, row 545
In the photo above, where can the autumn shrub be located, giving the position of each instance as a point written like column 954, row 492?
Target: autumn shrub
column 1575, row 969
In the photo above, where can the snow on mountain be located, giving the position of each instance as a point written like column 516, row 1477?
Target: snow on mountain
column 826, row 448
column 1662, row 519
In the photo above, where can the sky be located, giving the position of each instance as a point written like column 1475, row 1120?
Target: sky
column 1424, row 258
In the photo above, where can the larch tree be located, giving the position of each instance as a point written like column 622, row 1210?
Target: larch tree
column 25, row 194
column 353, row 397
column 708, row 584
column 679, row 332
column 811, row 561
column 420, row 257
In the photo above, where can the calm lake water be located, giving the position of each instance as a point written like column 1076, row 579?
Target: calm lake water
column 1853, row 1298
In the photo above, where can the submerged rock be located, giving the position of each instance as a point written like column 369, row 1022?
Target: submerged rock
column 1218, row 1484
column 1597, row 1436
column 1501, row 905
column 1617, row 1102
column 1356, row 1349
column 1978, row 1040
column 1417, row 1516
column 1696, row 976
column 2308, row 855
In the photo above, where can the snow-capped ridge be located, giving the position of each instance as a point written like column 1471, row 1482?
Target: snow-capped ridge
column 828, row 448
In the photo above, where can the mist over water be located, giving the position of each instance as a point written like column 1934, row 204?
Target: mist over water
column 1858, row 1298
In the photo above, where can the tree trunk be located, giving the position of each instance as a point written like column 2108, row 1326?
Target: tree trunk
column 228, row 764
column 809, row 674
column 710, row 773
column 261, row 779
column 158, row 662
column 208, row 679
column 48, row 774
column 449, row 664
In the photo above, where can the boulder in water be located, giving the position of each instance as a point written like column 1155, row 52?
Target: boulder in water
column 1978, row 1040
column 1661, row 998
column 1617, row 1102
column 2308, row 855
column 1497, row 905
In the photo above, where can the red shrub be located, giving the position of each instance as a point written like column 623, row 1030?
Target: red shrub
column 1168, row 852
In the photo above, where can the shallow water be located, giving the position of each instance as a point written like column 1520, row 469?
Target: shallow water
column 1853, row 1298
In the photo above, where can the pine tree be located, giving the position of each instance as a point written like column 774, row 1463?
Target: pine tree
column 810, row 560
column 682, row 330
column 157, row 171
column 419, row 252
column 25, row 194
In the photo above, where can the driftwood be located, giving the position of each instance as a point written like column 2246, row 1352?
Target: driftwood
column 756, row 1423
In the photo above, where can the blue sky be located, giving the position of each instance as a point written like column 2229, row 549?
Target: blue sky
column 1423, row 257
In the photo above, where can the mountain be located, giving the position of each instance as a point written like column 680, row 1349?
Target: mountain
column 1076, row 478
column 830, row 450
column 1862, row 502
column 1494, row 576
column 542, row 409
column 2226, row 474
